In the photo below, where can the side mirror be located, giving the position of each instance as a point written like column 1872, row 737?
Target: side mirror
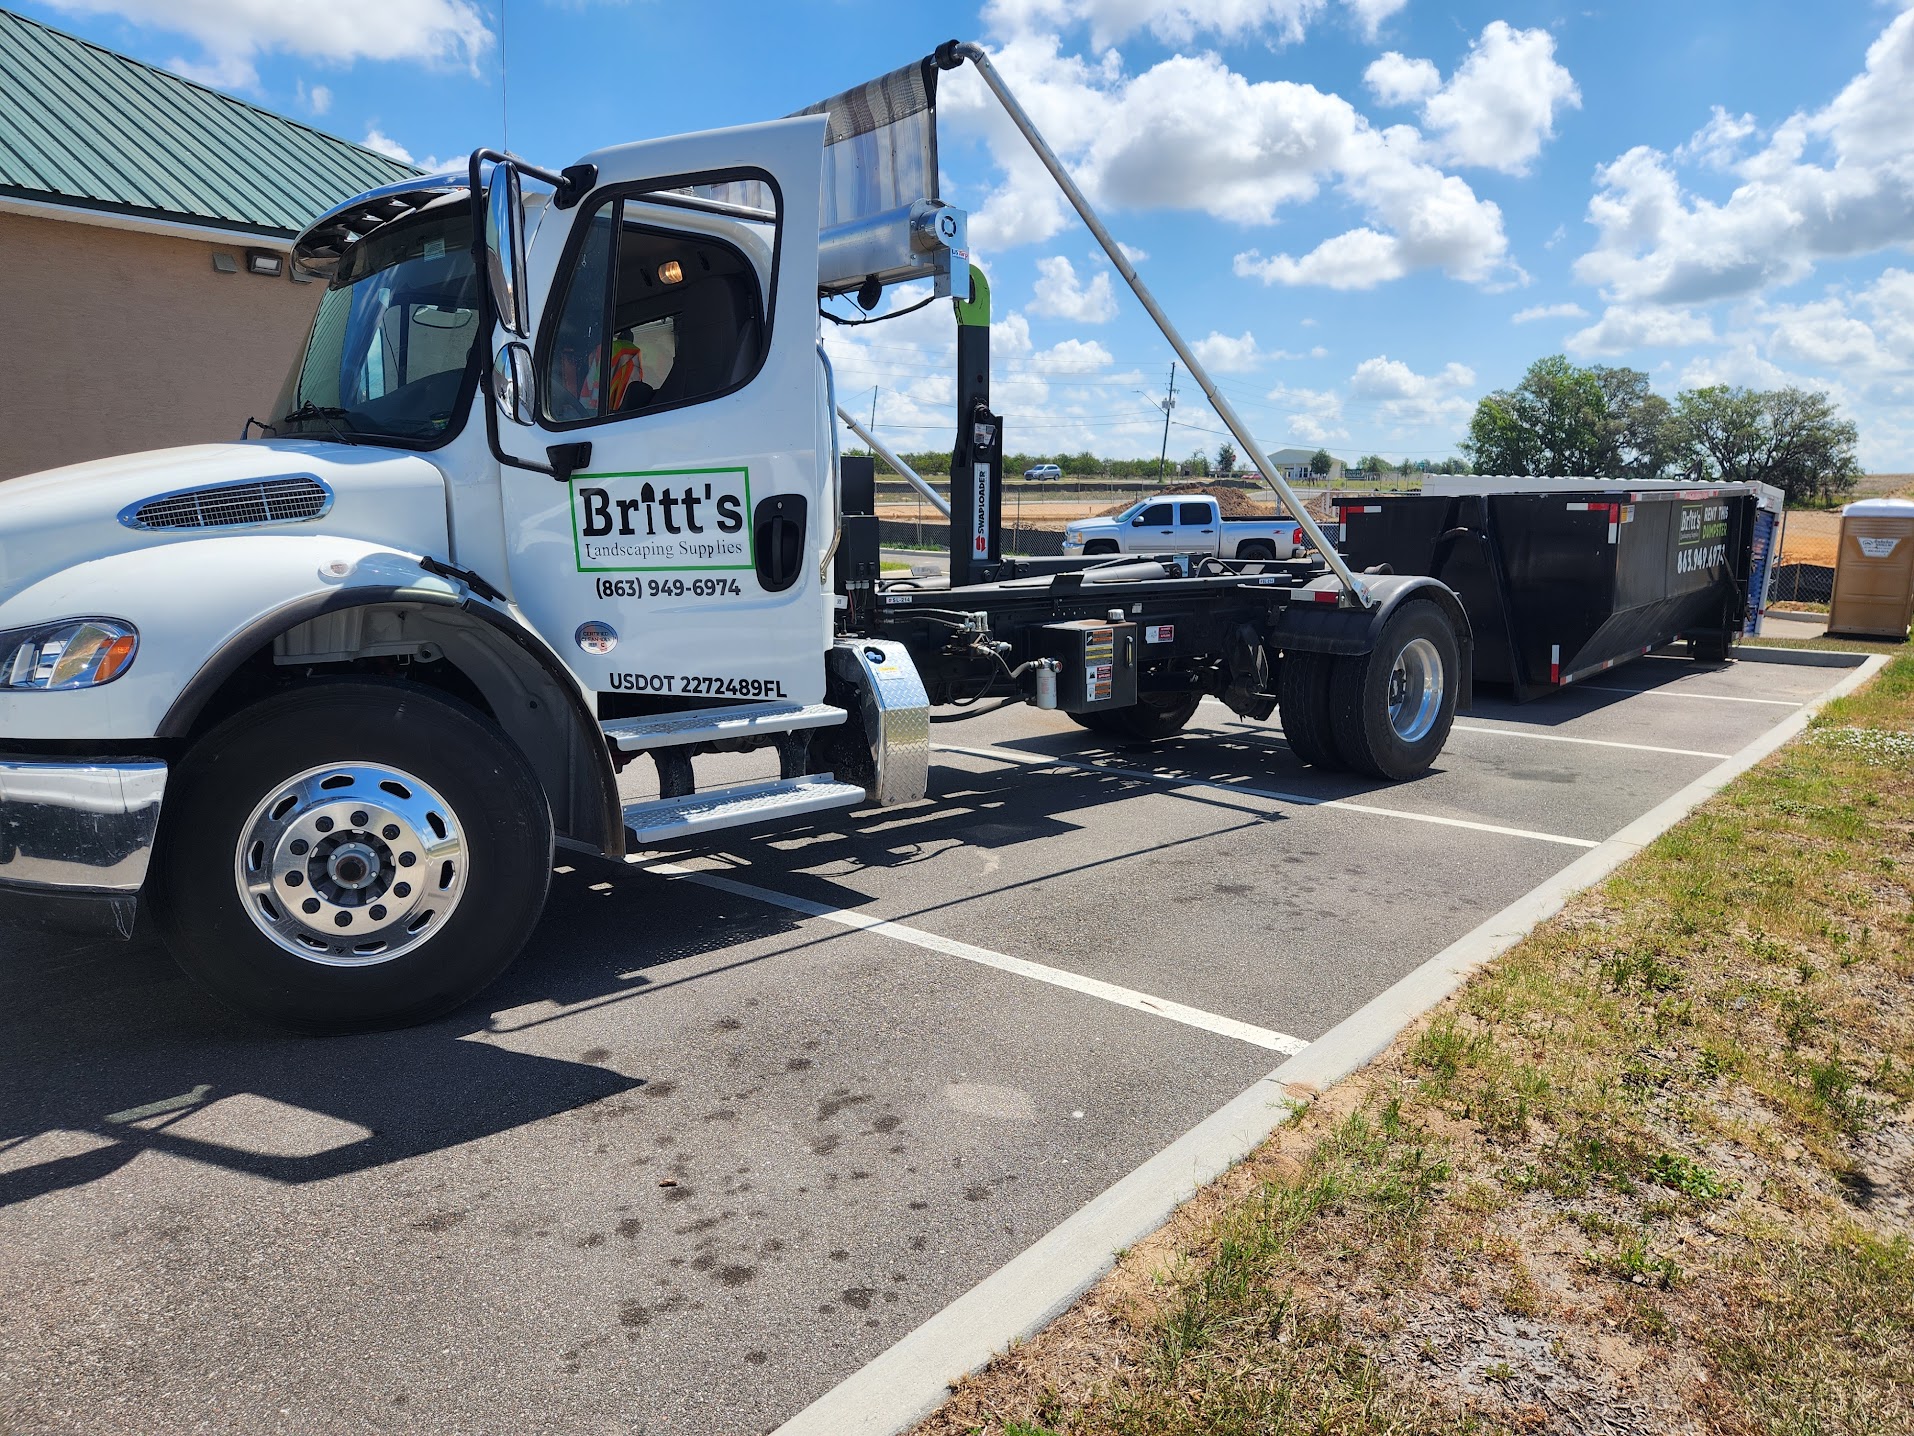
column 1137, row 522
column 505, row 250
column 512, row 384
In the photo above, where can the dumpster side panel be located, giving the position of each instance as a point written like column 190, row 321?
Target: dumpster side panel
column 1560, row 583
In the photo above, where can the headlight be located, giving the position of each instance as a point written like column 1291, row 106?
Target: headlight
column 76, row 653
column 1073, row 535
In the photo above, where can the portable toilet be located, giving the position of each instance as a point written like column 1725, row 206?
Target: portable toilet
column 1874, row 570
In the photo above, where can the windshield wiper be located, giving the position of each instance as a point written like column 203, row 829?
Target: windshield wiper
column 324, row 415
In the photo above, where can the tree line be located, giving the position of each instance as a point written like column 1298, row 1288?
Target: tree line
column 1565, row 420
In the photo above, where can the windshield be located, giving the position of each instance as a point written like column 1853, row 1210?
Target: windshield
column 392, row 341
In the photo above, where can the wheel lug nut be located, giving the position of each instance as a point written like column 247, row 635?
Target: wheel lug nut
column 343, row 920
column 293, row 880
column 377, row 912
column 359, row 820
column 400, row 890
column 324, row 825
column 299, row 847
column 390, row 832
column 310, row 905
column 407, row 859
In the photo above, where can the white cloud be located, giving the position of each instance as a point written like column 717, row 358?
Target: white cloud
column 1624, row 327
column 1717, row 144
column 1497, row 109
column 1072, row 356
column 1369, row 14
column 1406, row 399
column 1830, row 183
column 1191, row 134
column 1548, row 311
column 1824, row 332
column 234, row 33
column 1060, row 296
column 1174, row 22
column 319, row 99
column 384, row 144
column 1395, row 79
column 1314, row 415
column 1226, row 355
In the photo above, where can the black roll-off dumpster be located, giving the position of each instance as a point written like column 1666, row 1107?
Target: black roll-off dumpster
column 1565, row 578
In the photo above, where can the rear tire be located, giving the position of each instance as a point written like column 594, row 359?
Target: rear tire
column 1715, row 646
column 1392, row 707
column 1256, row 552
column 351, row 855
column 1302, row 688
column 1154, row 716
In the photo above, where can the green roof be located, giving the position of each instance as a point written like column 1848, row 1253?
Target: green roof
column 86, row 127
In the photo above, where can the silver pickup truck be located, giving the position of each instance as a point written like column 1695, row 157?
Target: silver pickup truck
column 1181, row 523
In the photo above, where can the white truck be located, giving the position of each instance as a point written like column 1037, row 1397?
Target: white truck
column 1181, row 523
column 553, row 487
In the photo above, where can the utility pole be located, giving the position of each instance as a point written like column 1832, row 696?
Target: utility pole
column 873, row 408
column 1168, row 404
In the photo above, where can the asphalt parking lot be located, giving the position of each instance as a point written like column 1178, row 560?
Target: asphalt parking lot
column 738, row 1122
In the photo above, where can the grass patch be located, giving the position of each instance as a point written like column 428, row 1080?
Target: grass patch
column 1654, row 1167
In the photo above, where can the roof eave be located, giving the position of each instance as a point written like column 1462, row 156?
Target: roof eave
column 73, row 210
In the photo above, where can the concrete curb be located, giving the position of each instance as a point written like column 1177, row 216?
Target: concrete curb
column 911, row 1379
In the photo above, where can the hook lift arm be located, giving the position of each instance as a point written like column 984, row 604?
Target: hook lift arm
column 953, row 53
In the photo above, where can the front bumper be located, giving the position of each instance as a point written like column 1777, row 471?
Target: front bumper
column 1072, row 550
column 76, row 838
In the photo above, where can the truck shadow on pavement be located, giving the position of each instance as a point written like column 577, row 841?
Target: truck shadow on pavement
column 112, row 1052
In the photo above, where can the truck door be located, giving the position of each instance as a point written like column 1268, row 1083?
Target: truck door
column 1201, row 527
column 678, row 337
column 1154, row 524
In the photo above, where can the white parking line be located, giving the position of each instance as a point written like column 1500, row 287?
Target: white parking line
column 1677, row 693
column 983, row 956
column 1543, row 738
column 1003, row 755
column 1589, row 742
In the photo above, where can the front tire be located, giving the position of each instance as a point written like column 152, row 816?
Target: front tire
column 1392, row 707
column 1097, row 548
column 351, row 855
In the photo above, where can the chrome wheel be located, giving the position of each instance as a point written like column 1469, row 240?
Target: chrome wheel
column 1415, row 690
column 351, row 865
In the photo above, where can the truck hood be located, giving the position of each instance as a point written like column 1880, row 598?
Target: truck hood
column 50, row 521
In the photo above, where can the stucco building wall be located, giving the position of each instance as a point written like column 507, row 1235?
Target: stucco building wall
column 112, row 341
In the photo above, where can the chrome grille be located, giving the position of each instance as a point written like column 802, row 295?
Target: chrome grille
column 286, row 499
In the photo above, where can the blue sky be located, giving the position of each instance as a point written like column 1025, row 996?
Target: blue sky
column 1369, row 212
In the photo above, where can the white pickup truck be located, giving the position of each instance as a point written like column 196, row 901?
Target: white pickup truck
column 1181, row 523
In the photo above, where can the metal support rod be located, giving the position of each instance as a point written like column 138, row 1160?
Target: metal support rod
column 974, row 53
column 910, row 475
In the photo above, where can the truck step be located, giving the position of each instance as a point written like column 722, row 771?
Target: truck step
column 711, row 725
column 665, row 820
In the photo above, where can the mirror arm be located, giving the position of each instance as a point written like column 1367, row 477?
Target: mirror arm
column 488, row 318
